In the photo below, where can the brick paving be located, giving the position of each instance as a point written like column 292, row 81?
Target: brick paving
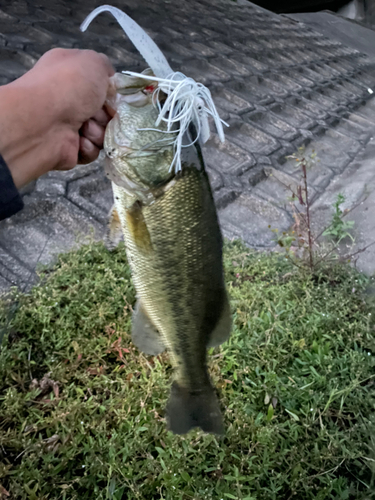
column 277, row 82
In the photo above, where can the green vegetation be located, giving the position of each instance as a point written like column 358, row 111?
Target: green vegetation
column 339, row 228
column 81, row 410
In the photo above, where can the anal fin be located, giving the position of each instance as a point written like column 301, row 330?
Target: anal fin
column 223, row 327
column 144, row 334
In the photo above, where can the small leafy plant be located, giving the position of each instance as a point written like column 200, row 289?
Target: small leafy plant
column 299, row 241
column 339, row 228
column 300, row 245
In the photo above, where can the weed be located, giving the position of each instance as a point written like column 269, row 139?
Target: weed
column 339, row 228
column 300, row 237
column 300, row 245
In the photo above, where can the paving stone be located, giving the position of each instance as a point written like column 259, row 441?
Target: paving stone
column 323, row 101
column 215, row 178
column 342, row 66
column 205, row 72
column 122, row 58
column 5, row 16
column 13, row 64
column 356, row 183
column 337, row 94
column 288, row 83
column 353, row 127
column 367, row 111
column 224, row 197
column 254, row 64
column 249, row 216
column 11, row 269
column 77, row 172
column 360, row 89
column 271, row 124
column 274, row 59
column 45, row 228
column 292, row 115
column 93, row 194
column 251, row 92
column 365, row 78
column 4, row 285
column 336, row 150
column 307, row 106
column 230, row 102
column 362, row 121
column 221, row 48
column 251, row 138
column 29, row 188
column 231, row 67
column 277, row 188
column 318, row 176
column 226, row 157
column 51, row 187
column 26, row 35
column 255, row 175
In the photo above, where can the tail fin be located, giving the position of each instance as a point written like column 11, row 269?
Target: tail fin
column 187, row 409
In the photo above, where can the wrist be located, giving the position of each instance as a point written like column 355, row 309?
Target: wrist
column 11, row 122
column 22, row 131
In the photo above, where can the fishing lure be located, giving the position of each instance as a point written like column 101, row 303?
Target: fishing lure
column 187, row 100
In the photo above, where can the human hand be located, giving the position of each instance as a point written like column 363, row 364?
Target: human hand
column 54, row 116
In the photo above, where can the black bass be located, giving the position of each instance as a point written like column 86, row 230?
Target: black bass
column 174, row 246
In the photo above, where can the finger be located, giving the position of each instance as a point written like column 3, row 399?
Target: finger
column 109, row 110
column 102, row 117
column 88, row 152
column 108, row 64
column 93, row 132
column 100, row 58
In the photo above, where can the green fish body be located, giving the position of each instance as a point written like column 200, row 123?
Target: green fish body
column 174, row 246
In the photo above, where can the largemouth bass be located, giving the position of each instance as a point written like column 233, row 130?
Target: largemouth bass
column 174, row 246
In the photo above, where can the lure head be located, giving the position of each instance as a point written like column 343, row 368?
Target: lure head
column 138, row 152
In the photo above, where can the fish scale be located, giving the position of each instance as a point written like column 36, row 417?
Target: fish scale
column 177, row 277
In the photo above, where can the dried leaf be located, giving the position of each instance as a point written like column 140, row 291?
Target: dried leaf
column 56, row 391
column 3, row 492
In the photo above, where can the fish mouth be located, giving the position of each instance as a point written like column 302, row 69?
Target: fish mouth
column 119, row 148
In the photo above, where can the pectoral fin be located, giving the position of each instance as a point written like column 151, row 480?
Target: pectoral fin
column 137, row 227
column 223, row 327
column 144, row 334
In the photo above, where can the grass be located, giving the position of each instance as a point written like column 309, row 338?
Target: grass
column 81, row 410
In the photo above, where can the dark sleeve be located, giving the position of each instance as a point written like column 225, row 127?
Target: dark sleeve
column 10, row 199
